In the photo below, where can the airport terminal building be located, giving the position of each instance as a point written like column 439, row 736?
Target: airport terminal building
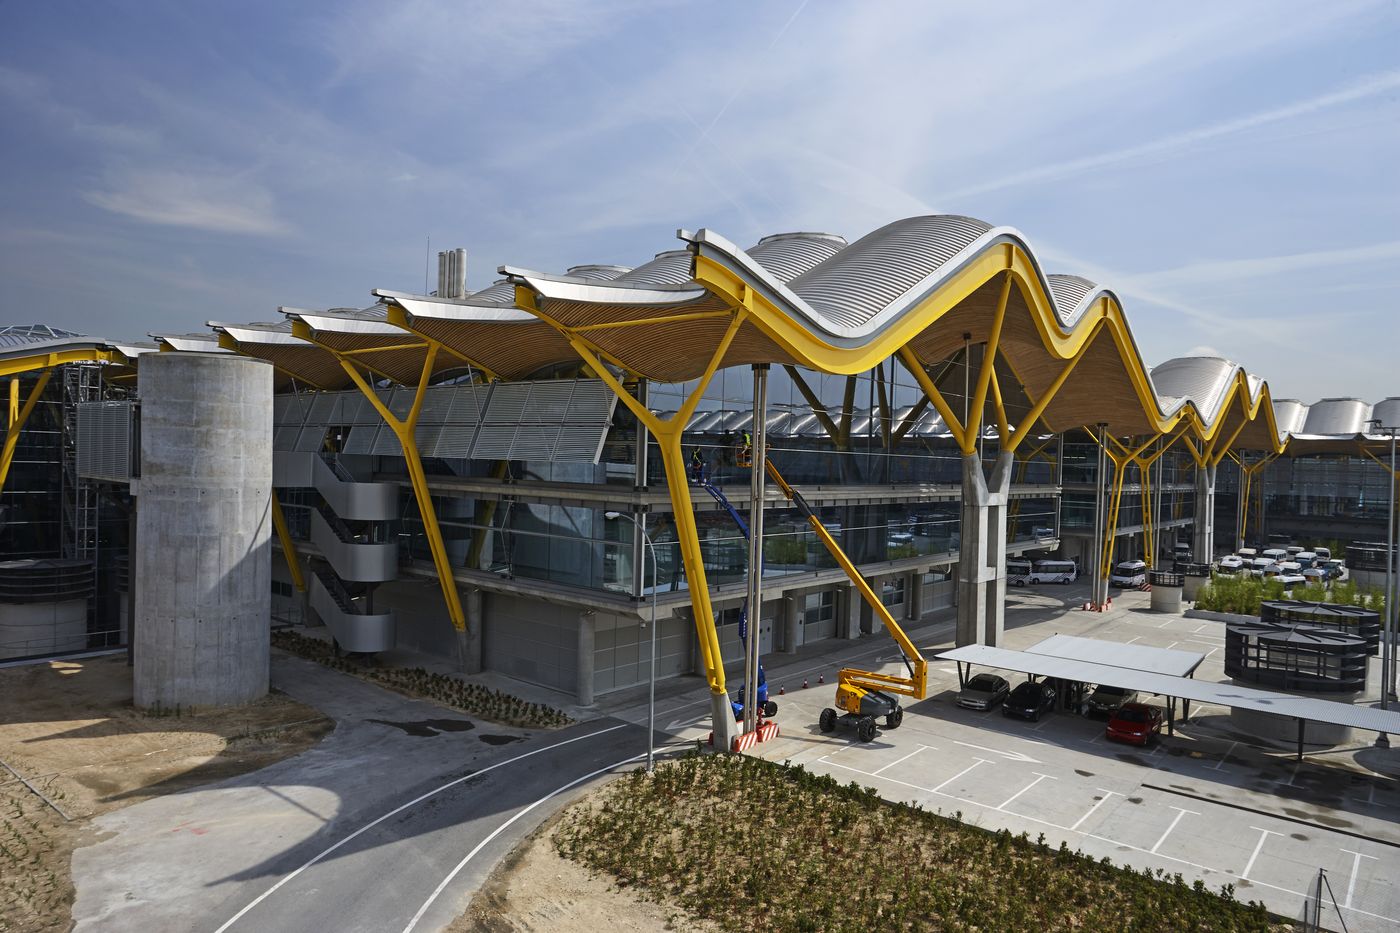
column 477, row 475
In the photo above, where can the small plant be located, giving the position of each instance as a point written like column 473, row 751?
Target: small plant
column 472, row 699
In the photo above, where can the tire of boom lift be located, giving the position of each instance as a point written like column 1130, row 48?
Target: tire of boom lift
column 828, row 720
column 895, row 718
column 865, row 729
column 770, row 709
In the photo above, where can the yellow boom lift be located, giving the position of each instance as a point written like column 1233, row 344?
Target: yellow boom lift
column 864, row 696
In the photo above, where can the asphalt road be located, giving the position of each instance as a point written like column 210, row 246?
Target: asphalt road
column 391, row 823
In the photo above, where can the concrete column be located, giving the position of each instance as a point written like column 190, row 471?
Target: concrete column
column 848, row 613
column 792, row 623
column 202, row 566
column 1203, row 530
column 914, row 596
column 469, row 642
column 870, row 623
column 584, row 688
column 982, row 558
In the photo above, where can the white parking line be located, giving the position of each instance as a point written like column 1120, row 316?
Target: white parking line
column 1038, row 778
column 1201, row 627
column 1177, row 819
column 1258, row 846
column 1115, row 842
column 975, row 763
column 1166, row 623
column 1173, row 645
column 1224, row 758
column 1095, row 808
column 906, row 757
column 1355, row 870
column 1134, row 638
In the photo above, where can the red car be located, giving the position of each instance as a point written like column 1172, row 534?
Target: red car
column 1135, row 723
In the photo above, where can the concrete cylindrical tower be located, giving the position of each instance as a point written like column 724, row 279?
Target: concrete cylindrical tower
column 203, row 553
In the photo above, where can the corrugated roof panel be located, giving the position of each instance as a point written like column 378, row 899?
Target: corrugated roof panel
column 1116, row 654
column 1201, row 691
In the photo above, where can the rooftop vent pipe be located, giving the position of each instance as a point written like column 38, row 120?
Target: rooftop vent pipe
column 452, row 273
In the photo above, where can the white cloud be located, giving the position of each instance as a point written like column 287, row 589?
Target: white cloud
column 1230, row 270
column 203, row 201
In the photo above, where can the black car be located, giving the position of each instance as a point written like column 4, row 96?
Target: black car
column 1106, row 701
column 1029, row 700
column 983, row 691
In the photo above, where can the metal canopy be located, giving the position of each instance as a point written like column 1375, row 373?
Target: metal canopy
column 1116, row 654
column 1199, row 691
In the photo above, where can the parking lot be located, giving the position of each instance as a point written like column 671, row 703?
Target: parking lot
column 1209, row 803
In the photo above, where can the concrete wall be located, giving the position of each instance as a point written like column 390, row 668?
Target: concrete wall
column 202, row 564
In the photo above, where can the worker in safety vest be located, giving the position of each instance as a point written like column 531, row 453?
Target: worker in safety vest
column 697, row 466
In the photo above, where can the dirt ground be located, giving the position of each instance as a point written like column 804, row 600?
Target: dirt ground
column 69, row 729
column 534, row 890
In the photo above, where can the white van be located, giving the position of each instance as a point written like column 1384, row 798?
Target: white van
column 1129, row 573
column 1018, row 572
column 1323, row 552
column 1248, row 553
column 1276, row 554
column 1231, row 563
column 1261, row 566
column 1306, row 559
column 1054, row 571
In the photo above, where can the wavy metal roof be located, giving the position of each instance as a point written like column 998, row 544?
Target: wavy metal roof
column 921, row 285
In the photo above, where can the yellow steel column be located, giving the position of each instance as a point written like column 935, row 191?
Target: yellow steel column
column 18, row 416
column 289, row 548
column 404, row 431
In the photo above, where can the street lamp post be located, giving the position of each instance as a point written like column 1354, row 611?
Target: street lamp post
column 1387, row 628
column 651, row 693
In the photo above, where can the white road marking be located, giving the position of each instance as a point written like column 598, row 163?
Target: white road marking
column 1177, row 819
column 1038, row 778
column 975, row 763
column 1095, row 808
column 1166, row 623
column 1201, row 627
column 1133, row 639
column 1355, row 869
column 1258, row 846
column 1113, row 842
column 1014, row 756
column 1173, row 645
column 1294, row 775
column 906, row 757
column 1224, row 758
column 500, row 829
column 402, row 807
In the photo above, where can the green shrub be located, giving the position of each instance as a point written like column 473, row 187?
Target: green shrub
column 1242, row 595
column 473, row 699
column 753, row 845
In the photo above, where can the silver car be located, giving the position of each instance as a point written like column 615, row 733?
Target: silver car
column 983, row 692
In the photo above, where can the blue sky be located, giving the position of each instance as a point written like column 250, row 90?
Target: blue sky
column 1229, row 168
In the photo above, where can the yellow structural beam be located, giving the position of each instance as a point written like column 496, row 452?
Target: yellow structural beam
column 25, row 364
column 289, row 548
column 404, row 430
column 18, row 415
column 668, row 434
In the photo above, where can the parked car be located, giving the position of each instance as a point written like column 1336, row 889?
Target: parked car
column 1336, row 569
column 1106, row 700
column 1134, row 723
column 983, row 692
column 1129, row 573
column 1231, row 563
column 1314, row 575
column 1029, row 700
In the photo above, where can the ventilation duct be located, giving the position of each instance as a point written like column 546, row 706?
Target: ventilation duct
column 452, row 273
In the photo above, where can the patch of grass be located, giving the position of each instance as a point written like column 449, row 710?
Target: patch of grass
column 754, row 845
column 472, row 699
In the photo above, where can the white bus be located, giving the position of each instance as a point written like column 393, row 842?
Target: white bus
column 1054, row 571
column 1018, row 572
column 1129, row 573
